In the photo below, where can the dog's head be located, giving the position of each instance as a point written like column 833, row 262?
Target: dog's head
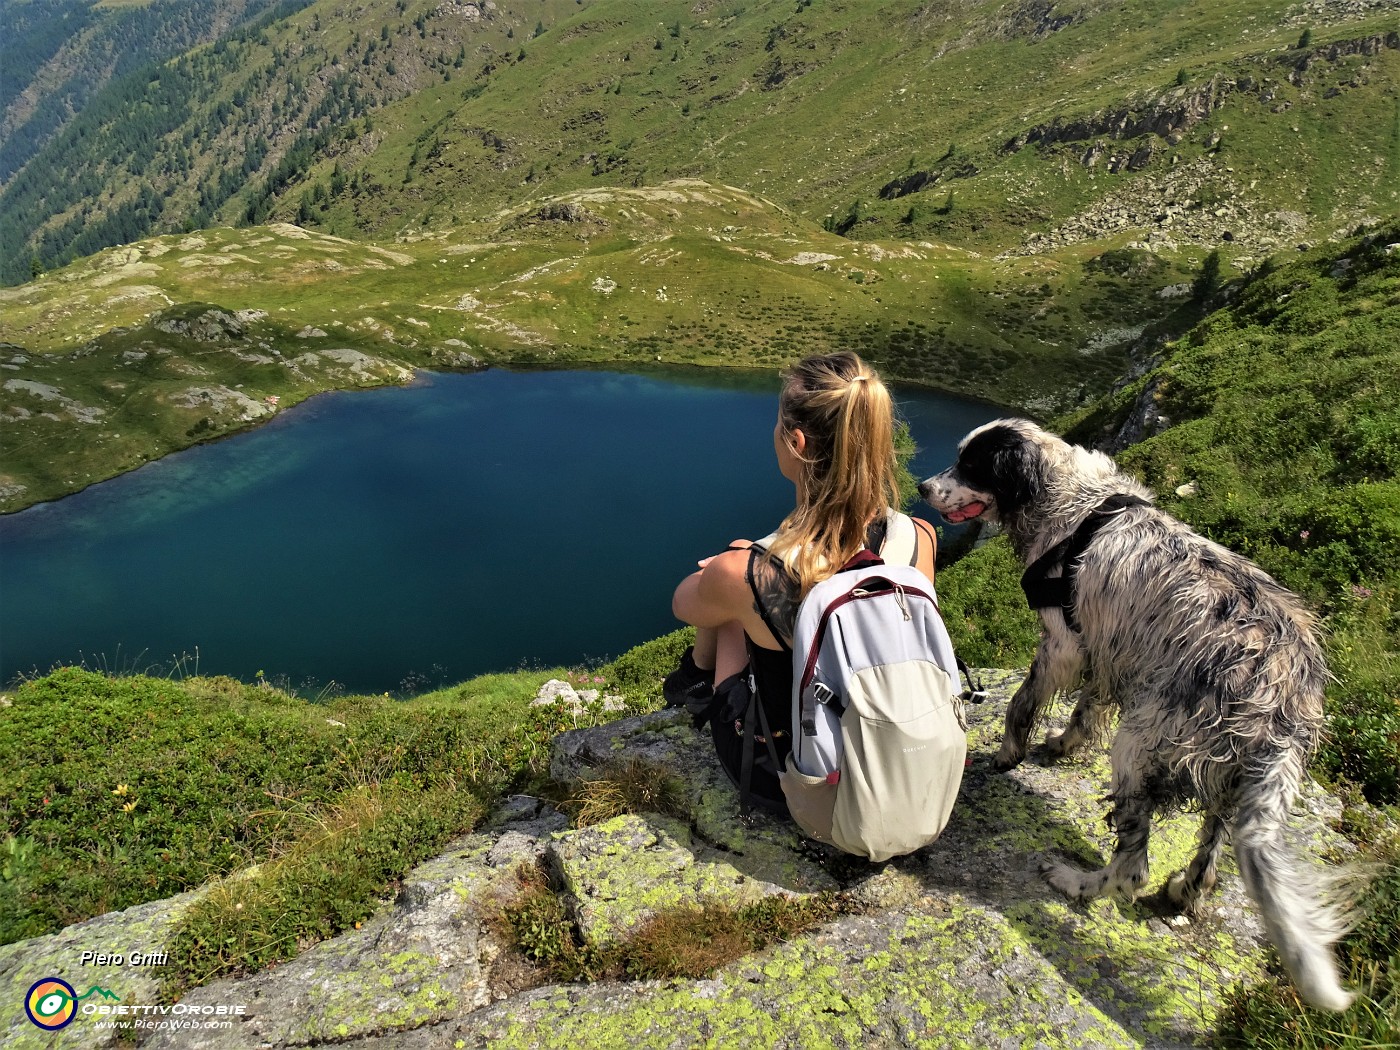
column 1000, row 470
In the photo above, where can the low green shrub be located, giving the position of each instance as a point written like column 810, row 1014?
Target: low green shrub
column 638, row 673
column 329, row 879
column 121, row 790
column 130, row 789
column 985, row 609
column 1362, row 746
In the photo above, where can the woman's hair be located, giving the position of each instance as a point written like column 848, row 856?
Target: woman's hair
column 849, row 469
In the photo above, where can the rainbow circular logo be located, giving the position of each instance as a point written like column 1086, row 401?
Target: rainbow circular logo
column 51, row 1003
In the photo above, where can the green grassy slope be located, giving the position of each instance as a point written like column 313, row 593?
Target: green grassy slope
column 308, row 809
column 1015, row 119
column 102, row 373
column 828, row 105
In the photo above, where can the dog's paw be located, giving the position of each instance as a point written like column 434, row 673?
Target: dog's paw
column 1175, row 889
column 1059, row 745
column 1075, row 884
column 1181, row 898
column 1007, row 758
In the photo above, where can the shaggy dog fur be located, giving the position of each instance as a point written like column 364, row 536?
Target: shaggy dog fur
column 1215, row 669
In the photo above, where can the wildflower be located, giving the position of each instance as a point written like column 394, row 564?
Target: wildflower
column 1360, row 591
column 46, row 800
column 120, row 789
column 598, row 679
column 1304, row 534
column 128, row 807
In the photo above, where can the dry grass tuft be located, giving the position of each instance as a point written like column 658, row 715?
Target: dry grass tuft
column 631, row 786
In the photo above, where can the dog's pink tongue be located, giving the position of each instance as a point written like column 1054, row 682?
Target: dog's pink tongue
column 963, row 513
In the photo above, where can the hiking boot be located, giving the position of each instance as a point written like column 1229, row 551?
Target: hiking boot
column 688, row 685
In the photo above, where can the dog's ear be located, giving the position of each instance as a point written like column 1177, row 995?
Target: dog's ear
column 1019, row 473
column 1005, row 462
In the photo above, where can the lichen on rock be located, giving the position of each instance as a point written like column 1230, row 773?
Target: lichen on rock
column 959, row 944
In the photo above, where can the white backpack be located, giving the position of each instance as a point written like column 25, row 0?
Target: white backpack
column 879, row 731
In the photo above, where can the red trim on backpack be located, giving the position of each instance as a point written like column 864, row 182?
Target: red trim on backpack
column 865, row 558
column 866, row 592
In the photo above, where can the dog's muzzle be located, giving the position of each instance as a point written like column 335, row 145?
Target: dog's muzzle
column 931, row 489
column 949, row 499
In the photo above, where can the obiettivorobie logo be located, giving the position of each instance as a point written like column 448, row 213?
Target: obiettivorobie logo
column 52, row 1003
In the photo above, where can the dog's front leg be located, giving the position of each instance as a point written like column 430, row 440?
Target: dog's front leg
column 1088, row 722
column 1058, row 663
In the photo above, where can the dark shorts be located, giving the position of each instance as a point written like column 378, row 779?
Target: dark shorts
column 732, row 698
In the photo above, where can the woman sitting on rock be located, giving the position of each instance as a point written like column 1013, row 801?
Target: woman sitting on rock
column 834, row 440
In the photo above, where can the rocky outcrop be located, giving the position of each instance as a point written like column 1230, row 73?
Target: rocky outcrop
column 51, row 402
column 1173, row 112
column 222, row 403
column 961, row 943
column 917, row 181
column 208, row 326
column 1176, row 112
column 565, row 211
column 344, row 365
column 1035, row 19
column 1340, row 49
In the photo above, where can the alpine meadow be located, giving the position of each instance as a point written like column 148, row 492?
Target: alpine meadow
column 1165, row 229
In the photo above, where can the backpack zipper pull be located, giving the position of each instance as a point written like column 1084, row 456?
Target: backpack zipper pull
column 902, row 601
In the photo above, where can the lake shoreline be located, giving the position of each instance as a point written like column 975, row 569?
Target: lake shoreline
column 469, row 521
column 651, row 368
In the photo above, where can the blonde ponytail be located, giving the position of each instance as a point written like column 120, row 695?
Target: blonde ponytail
column 849, row 470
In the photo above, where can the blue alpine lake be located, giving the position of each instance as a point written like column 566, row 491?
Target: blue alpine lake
column 401, row 538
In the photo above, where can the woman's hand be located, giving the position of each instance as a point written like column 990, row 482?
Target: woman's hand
column 736, row 545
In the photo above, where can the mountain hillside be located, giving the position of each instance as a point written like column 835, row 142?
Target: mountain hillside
column 57, row 55
column 996, row 126
column 139, row 350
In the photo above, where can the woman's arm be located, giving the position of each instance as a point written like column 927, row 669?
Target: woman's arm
column 928, row 547
column 717, row 594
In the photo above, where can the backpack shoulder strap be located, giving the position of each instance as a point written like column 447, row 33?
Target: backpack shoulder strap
column 751, row 732
column 901, row 546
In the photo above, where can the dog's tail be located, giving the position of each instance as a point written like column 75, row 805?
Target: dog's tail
column 1301, row 922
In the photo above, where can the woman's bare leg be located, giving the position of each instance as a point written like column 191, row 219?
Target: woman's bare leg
column 706, row 641
column 731, row 655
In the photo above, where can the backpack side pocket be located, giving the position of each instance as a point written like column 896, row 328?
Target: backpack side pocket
column 811, row 801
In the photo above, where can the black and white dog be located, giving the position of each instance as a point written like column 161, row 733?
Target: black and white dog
column 1215, row 669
